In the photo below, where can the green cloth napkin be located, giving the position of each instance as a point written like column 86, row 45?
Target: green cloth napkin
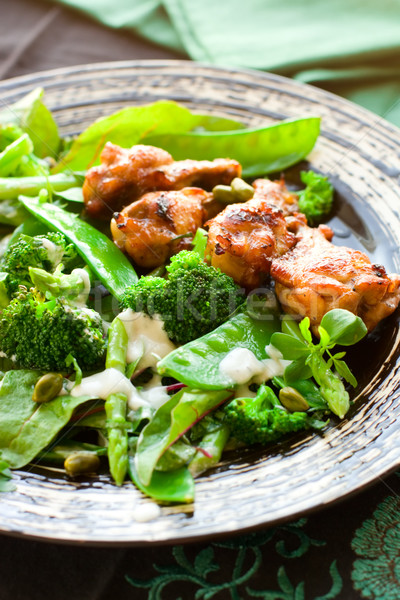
column 350, row 47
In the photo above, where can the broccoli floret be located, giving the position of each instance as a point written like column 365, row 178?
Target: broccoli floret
column 42, row 251
column 72, row 287
column 40, row 334
column 194, row 300
column 146, row 295
column 262, row 419
column 316, row 200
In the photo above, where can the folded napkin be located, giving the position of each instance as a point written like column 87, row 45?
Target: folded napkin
column 351, row 47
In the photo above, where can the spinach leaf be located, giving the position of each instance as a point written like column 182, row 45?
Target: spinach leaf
column 172, row 486
column 169, row 423
column 25, row 426
column 33, row 117
column 130, row 126
column 6, row 485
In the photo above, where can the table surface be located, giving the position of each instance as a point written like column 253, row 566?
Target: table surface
column 345, row 552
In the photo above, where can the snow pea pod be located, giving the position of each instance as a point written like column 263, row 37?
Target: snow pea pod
column 260, row 150
column 109, row 264
column 197, row 363
column 12, row 187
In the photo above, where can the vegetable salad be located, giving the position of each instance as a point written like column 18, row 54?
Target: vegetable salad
column 149, row 375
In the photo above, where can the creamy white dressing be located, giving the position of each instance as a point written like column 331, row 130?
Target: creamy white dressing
column 54, row 252
column 81, row 299
column 147, row 339
column 154, row 393
column 110, row 381
column 146, row 512
column 242, row 366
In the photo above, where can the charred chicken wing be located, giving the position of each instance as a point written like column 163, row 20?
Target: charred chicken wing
column 243, row 240
column 316, row 276
column 125, row 174
column 160, row 224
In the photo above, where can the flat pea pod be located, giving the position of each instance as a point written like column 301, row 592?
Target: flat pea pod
column 197, row 363
column 13, row 187
column 109, row 264
column 47, row 387
column 260, row 150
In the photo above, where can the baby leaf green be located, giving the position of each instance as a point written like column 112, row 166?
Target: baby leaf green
column 343, row 327
column 133, row 125
column 27, row 427
column 169, row 423
column 33, row 117
column 171, row 486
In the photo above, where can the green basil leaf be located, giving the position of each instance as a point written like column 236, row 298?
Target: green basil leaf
column 324, row 337
column 298, row 369
column 304, row 326
column 343, row 327
column 291, row 327
column 290, row 347
column 344, row 371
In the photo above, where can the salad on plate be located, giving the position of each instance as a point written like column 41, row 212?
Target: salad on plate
column 163, row 301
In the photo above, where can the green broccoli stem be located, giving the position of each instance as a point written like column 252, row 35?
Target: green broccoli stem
column 12, row 188
column 210, row 450
column 70, row 286
column 115, row 405
column 13, row 153
column 331, row 386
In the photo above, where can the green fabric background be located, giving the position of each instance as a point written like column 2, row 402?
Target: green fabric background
column 350, row 47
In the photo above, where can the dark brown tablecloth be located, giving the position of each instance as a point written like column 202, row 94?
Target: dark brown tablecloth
column 346, row 552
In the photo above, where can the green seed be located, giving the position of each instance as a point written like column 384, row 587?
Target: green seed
column 225, row 194
column 242, row 190
column 81, row 462
column 293, row 400
column 47, row 387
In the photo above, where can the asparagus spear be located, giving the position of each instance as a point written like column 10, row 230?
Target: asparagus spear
column 115, row 405
column 12, row 187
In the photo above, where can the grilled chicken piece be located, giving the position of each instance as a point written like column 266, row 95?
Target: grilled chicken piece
column 149, row 229
column 244, row 238
column 316, row 276
column 277, row 194
column 125, row 174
